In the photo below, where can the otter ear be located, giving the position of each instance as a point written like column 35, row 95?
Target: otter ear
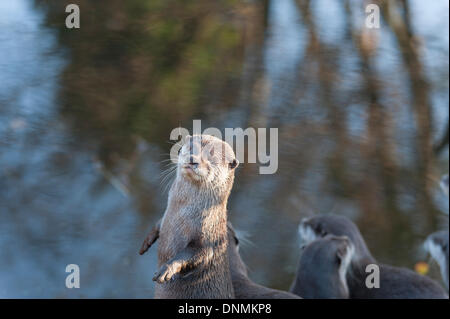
column 341, row 253
column 234, row 164
column 340, row 256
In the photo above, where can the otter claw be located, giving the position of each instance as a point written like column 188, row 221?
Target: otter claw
column 165, row 274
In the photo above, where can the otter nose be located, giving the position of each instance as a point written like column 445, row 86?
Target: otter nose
column 194, row 165
column 193, row 161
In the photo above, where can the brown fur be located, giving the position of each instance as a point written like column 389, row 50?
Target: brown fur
column 192, row 253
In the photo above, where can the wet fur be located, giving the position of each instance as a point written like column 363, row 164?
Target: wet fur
column 322, row 269
column 395, row 282
column 192, row 251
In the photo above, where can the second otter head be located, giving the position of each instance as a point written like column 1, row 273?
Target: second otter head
column 237, row 265
column 322, row 225
column 206, row 161
column 322, row 269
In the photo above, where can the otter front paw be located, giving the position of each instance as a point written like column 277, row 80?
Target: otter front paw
column 166, row 272
column 148, row 242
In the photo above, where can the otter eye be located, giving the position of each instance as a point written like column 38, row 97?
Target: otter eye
column 322, row 232
column 233, row 164
column 236, row 240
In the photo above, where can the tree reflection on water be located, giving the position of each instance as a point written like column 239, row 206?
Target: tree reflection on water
column 86, row 114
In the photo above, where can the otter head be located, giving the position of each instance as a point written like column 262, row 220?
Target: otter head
column 237, row 265
column 207, row 162
column 323, row 267
column 322, row 225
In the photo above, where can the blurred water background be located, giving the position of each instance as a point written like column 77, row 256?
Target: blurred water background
column 85, row 117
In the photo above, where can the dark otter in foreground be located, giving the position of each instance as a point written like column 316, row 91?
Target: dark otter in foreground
column 244, row 288
column 437, row 246
column 395, row 282
column 192, row 251
column 322, row 269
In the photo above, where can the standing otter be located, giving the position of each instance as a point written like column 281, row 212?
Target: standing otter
column 192, row 253
column 244, row 288
column 437, row 246
column 395, row 282
column 322, row 269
